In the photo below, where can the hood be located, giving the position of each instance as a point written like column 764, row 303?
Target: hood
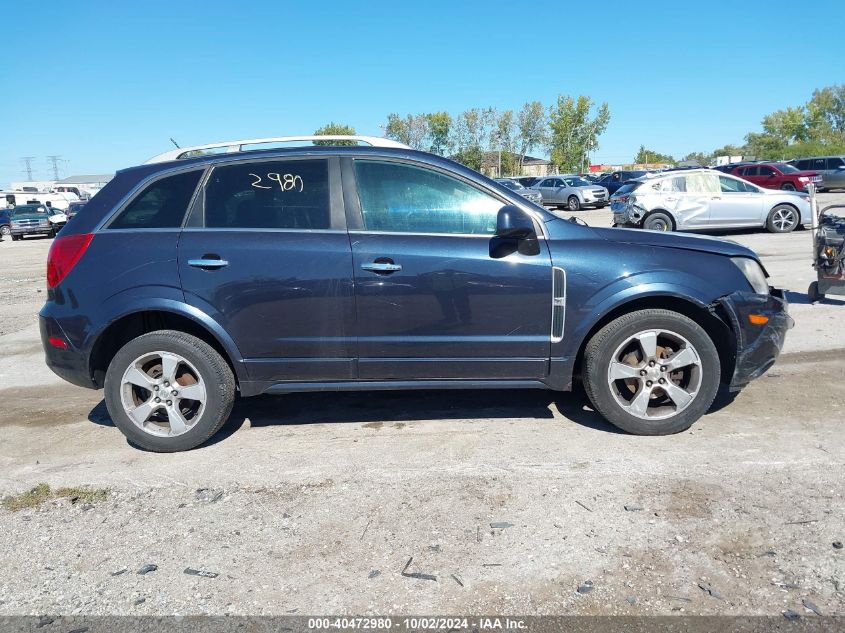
column 683, row 241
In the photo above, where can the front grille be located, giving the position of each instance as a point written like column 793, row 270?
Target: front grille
column 599, row 194
column 558, row 303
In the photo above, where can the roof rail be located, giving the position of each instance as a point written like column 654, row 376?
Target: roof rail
column 237, row 146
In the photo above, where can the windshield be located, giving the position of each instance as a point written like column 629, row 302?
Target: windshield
column 24, row 210
column 510, row 184
column 786, row 169
column 577, row 182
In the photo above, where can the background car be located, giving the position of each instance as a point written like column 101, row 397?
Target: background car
column 31, row 219
column 706, row 199
column 527, row 181
column 525, row 192
column 571, row 192
column 613, row 181
column 5, row 223
column 777, row 176
column 830, row 168
column 74, row 208
column 619, row 199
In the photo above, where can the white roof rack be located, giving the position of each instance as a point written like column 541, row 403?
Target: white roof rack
column 237, row 146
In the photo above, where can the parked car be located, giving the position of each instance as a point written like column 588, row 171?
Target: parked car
column 31, row 219
column 830, row 168
column 619, row 200
column 726, row 169
column 527, row 181
column 571, row 192
column 777, row 176
column 326, row 268
column 525, row 192
column 5, row 223
column 74, row 208
column 613, row 181
column 705, row 200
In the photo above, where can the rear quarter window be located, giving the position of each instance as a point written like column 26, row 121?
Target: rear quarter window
column 161, row 205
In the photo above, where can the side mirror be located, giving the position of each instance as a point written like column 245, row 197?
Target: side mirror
column 513, row 223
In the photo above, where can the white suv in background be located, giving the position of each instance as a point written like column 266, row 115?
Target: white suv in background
column 701, row 199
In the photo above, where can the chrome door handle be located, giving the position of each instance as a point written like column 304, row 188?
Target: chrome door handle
column 716, row 197
column 381, row 267
column 207, row 263
column 669, row 199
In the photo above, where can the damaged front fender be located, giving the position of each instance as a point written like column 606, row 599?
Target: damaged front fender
column 759, row 324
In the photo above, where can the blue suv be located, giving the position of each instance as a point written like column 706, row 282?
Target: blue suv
column 219, row 270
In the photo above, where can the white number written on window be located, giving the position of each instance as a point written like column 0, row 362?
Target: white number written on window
column 285, row 182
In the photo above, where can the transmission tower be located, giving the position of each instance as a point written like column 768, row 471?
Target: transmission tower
column 54, row 161
column 27, row 165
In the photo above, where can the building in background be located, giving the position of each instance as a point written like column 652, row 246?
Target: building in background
column 83, row 186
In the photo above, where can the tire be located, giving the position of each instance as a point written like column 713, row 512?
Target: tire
column 782, row 219
column 813, row 293
column 196, row 366
column 15, row 238
column 600, row 206
column 5, row 230
column 573, row 203
column 788, row 186
column 658, row 222
column 637, row 403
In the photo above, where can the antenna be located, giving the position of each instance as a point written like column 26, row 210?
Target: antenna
column 175, row 143
column 54, row 160
column 27, row 161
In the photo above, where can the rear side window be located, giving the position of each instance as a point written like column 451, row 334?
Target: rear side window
column 162, row 205
column 289, row 194
column 406, row 199
column 818, row 163
column 835, row 163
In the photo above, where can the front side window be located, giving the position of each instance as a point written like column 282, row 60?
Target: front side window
column 732, row 185
column 403, row 198
column 285, row 194
column 162, row 205
column 766, row 171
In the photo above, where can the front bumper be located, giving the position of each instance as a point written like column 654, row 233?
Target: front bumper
column 757, row 346
column 32, row 230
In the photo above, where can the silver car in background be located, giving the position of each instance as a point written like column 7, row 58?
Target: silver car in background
column 525, row 192
column 572, row 192
column 702, row 199
column 831, row 169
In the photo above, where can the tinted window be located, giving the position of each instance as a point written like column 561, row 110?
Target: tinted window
column 786, row 168
column 766, row 171
column 802, row 164
column 835, row 163
column 290, row 194
column 818, row 163
column 406, row 199
column 27, row 209
column 162, row 205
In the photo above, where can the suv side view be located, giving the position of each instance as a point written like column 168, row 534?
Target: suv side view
column 777, row 176
column 831, row 169
column 197, row 276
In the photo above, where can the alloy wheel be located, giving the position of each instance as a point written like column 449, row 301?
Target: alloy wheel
column 783, row 219
column 163, row 394
column 655, row 374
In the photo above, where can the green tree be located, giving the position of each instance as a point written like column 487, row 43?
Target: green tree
column 702, row 158
column 648, row 156
column 532, row 132
column 825, row 115
column 573, row 133
column 439, row 132
column 335, row 129
column 412, row 129
column 473, row 132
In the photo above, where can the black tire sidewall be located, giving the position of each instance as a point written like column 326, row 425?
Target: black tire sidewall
column 598, row 356
column 770, row 225
column 576, row 206
column 216, row 375
column 658, row 216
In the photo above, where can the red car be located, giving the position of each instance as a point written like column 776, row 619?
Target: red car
column 777, row 176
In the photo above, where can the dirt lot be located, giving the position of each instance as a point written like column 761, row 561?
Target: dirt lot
column 511, row 500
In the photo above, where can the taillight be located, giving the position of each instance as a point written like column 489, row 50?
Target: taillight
column 64, row 253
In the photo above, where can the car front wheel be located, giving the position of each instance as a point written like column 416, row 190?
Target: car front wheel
column 5, row 231
column 573, row 203
column 651, row 372
column 169, row 391
column 782, row 219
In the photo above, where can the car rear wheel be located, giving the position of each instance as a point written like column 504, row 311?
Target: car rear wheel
column 658, row 222
column 5, row 231
column 651, row 372
column 573, row 203
column 788, row 186
column 782, row 219
column 169, row 391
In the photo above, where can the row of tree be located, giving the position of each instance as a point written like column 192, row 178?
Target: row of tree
column 812, row 129
column 568, row 130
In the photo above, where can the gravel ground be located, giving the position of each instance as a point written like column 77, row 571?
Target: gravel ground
column 512, row 501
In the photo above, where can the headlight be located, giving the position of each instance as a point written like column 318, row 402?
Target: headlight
column 44, row 223
column 753, row 273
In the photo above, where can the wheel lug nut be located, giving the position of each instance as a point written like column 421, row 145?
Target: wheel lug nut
column 155, row 388
column 663, row 368
column 642, row 372
column 648, row 383
column 662, row 381
column 174, row 392
column 170, row 403
column 651, row 363
column 158, row 400
column 166, row 384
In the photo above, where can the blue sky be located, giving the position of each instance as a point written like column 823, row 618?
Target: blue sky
column 105, row 84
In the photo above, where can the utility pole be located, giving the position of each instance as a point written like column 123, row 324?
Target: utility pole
column 27, row 161
column 54, row 160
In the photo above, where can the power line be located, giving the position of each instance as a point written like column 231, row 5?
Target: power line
column 27, row 161
column 54, row 160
